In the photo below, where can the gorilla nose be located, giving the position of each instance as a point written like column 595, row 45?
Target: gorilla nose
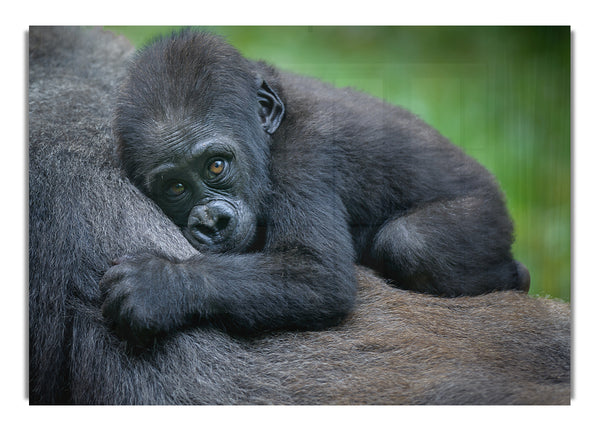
column 211, row 223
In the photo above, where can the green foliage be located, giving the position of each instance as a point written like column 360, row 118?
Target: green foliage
column 502, row 93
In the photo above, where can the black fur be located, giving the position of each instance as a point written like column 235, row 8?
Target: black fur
column 397, row 347
column 317, row 178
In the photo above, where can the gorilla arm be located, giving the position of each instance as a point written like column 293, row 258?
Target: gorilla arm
column 305, row 279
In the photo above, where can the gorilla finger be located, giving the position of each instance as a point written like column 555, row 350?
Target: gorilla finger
column 109, row 280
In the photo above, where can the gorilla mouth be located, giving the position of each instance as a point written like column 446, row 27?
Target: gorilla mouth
column 222, row 237
column 208, row 238
column 216, row 233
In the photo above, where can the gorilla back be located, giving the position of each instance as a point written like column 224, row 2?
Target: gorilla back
column 284, row 182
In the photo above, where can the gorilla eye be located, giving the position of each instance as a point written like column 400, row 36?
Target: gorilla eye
column 175, row 189
column 216, row 167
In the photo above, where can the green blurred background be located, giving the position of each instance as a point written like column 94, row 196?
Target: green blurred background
column 501, row 93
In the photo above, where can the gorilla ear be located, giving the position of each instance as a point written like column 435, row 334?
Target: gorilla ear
column 271, row 108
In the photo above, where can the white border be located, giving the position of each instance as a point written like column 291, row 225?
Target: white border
column 585, row 197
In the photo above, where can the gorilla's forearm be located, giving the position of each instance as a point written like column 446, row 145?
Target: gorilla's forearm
column 247, row 293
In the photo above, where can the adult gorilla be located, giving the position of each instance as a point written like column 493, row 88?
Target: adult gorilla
column 397, row 347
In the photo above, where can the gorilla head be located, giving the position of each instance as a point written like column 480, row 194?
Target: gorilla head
column 189, row 141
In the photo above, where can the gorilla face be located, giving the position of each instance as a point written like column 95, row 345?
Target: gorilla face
column 206, row 168
column 201, row 188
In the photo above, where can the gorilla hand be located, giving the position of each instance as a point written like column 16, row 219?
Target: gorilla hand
column 143, row 297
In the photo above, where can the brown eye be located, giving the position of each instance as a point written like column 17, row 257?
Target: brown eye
column 175, row 189
column 216, row 167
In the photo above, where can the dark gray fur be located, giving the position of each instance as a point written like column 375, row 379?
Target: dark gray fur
column 397, row 347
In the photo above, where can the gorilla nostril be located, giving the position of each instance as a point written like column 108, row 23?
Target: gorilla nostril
column 222, row 222
column 202, row 231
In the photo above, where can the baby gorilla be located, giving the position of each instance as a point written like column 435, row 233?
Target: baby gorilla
column 283, row 183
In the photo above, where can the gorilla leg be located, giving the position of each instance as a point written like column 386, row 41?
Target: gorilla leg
column 452, row 248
